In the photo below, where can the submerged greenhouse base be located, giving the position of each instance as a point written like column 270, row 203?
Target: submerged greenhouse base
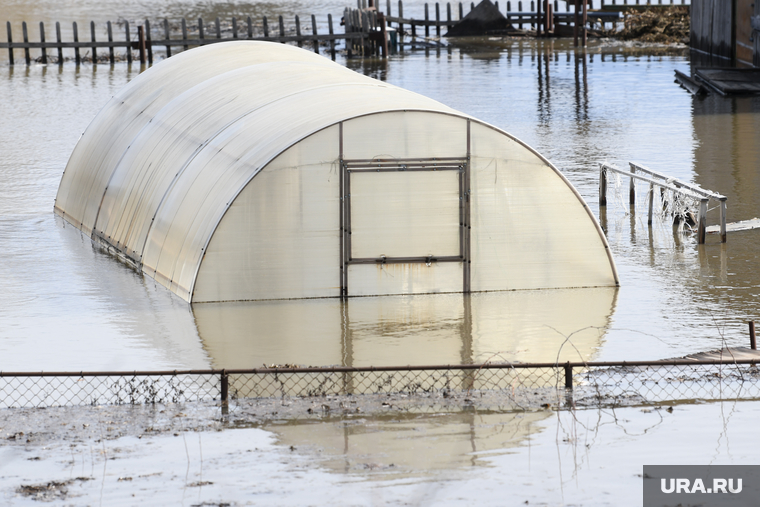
column 259, row 171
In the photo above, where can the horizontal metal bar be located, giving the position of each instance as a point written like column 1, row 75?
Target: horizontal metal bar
column 402, row 169
column 693, row 188
column 404, row 260
column 370, row 161
column 344, row 369
column 659, row 183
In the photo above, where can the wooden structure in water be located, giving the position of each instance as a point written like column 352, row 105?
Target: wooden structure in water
column 727, row 29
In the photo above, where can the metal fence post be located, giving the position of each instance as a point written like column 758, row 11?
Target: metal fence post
column 602, row 185
column 568, row 376
column 225, row 391
column 752, row 342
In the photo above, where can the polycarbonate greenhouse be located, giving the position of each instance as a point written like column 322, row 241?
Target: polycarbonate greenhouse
column 255, row 171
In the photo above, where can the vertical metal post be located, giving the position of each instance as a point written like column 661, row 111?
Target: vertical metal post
column 651, row 203
column 250, row 27
column 218, row 28
column 265, row 26
column 539, row 17
column 702, row 221
column 225, row 391
column 723, row 220
column 298, row 31
column 752, row 342
column 602, row 185
column 467, row 227
column 568, row 376
column 234, row 28
column 200, row 30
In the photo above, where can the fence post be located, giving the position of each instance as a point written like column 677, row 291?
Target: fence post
column 77, row 58
column 94, row 47
column 702, row 221
column 632, row 187
column 427, row 21
column 651, row 203
column 141, row 43
column 752, row 342
column 166, row 34
column 42, row 40
column 148, row 42
column 723, row 220
column 602, row 186
column 26, row 42
column 109, row 29
column 400, row 25
column 568, row 376
column 332, row 41
column 129, row 45
column 225, row 390
column 10, row 42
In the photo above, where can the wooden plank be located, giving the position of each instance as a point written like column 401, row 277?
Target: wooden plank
column 77, row 57
column 42, row 40
column 167, row 35
column 126, row 38
column 26, row 40
column 314, row 32
column 110, row 40
column 10, row 42
column 148, row 41
column 332, row 41
column 93, row 47
column 184, row 33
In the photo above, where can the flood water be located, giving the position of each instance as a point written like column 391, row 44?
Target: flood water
column 64, row 305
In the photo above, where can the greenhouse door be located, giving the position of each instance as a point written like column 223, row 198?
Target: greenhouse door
column 405, row 226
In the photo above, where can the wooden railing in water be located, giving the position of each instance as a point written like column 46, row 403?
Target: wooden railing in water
column 144, row 43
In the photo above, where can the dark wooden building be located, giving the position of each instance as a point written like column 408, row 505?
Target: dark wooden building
column 727, row 29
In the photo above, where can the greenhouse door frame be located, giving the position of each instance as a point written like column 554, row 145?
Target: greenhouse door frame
column 387, row 165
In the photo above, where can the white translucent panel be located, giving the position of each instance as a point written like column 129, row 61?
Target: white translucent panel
column 405, row 134
column 160, row 152
column 404, row 278
column 405, row 214
column 530, row 229
column 111, row 132
column 280, row 238
column 196, row 202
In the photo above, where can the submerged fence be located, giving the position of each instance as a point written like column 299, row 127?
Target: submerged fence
column 605, row 383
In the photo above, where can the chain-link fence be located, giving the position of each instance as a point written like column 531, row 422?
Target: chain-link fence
column 581, row 383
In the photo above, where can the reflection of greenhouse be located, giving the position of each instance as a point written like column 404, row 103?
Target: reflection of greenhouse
column 527, row 326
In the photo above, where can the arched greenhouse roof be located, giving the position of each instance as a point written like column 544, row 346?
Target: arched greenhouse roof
column 171, row 160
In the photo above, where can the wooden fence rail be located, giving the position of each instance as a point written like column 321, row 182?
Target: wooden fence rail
column 144, row 44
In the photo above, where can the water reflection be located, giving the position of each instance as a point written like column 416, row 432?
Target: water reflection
column 412, row 444
column 399, row 330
